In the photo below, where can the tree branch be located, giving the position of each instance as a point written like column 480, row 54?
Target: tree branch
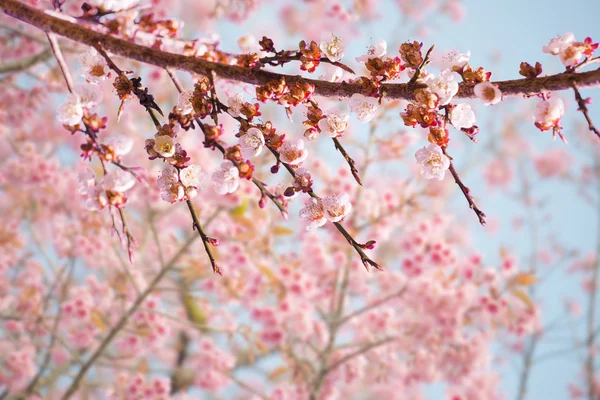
column 123, row 48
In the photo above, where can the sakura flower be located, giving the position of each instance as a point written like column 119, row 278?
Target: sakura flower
column 444, row 86
column 336, row 207
column 331, row 73
column 455, row 61
column 192, row 175
column 248, row 43
column 333, row 49
column 293, row 153
column 171, row 190
column 374, row 51
column 118, row 181
column 548, row 113
column 313, row 213
column 462, row 116
column 335, row 123
column 252, row 143
column 113, row 5
column 488, row 92
column 89, row 97
column 433, row 161
column 120, row 145
column 93, row 66
column 235, row 105
column 364, row 107
column 226, row 179
column 71, row 111
column 184, row 105
column 558, row 43
column 571, row 55
column 164, row 146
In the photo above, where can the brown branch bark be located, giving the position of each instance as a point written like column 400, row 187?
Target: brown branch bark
column 163, row 59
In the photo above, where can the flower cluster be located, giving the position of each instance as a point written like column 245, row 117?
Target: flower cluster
column 317, row 212
column 569, row 51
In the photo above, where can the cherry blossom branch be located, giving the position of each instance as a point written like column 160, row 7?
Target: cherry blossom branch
column 123, row 320
column 81, row 34
column 372, row 305
column 26, row 63
column 424, row 63
column 582, row 103
column 280, row 60
column 60, row 60
column 260, row 185
column 466, row 191
column 205, row 239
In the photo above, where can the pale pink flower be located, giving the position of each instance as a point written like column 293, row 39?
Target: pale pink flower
column 226, row 179
column 118, row 181
column 498, row 173
column 331, row 73
column 548, row 113
column 559, row 43
column 374, row 51
column 365, row 108
column 113, row 5
column 89, row 96
column 454, row 60
column 553, row 163
column 444, row 86
column 433, row 161
column 71, row 111
column 192, row 176
column 93, row 66
column 248, row 43
column 336, row 207
column 120, row 144
column 462, row 116
column 571, row 55
column 252, row 143
column 293, row 153
column 171, row 190
column 333, row 48
column 164, row 145
column 335, row 123
column 488, row 93
column 235, row 104
column 313, row 213
column 184, row 105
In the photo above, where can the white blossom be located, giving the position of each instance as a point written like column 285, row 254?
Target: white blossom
column 113, row 5
column 89, row 96
column 192, row 176
column 293, row 153
column 248, row 43
column 444, row 86
column 364, row 107
column 71, row 111
column 331, row 73
column 336, row 207
column 235, row 104
column 226, row 179
column 462, row 116
column 488, row 92
column 251, row 143
column 171, row 190
column 120, row 144
column 374, row 51
column 93, row 66
column 335, row 123
column 433, row 161
column 455, row 61
column 313, row 213
column 184, row 105
column 558, row 43
column 548, row 113
column 333, row 48
column 164, row 146
column 118, row 181
column 571, row 55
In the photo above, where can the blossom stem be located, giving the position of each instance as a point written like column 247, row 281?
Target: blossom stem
column 581, row 102
column 417, row 73
column 466, row 191
column 280, row 60
column 205, row 239
column 82, row 34
column 60, row 59
column 349, row 160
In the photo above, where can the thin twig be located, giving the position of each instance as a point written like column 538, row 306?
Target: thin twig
column 466, row 191
column 61, row 60
column 349, row 160
column 205, row 239
column 582, row 103
column 425, row 61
